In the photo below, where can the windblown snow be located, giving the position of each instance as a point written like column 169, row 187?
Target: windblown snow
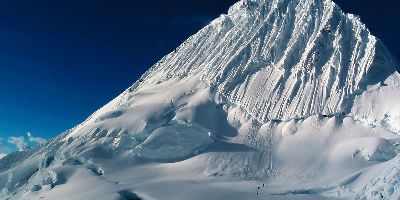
column 278, row 99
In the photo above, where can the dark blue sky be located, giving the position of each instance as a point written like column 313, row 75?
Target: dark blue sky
column 62, row 60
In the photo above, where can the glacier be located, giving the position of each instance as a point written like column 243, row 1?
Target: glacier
column 277, row 99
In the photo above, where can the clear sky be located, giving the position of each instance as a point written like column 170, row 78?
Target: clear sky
column 62, row 60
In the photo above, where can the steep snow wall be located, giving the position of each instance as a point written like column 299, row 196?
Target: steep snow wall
column 282, row 59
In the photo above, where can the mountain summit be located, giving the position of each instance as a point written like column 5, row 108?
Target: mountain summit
column 277, row 99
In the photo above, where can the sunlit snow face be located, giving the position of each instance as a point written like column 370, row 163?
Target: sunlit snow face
column 297, row 95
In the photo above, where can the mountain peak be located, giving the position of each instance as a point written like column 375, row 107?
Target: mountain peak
column 293, row 94
column 294, row 48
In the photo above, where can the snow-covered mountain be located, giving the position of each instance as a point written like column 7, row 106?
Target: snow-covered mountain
column 278, row 99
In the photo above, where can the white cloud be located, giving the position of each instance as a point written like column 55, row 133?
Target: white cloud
column 19, row 142
column 37, row 140
column 2, row 153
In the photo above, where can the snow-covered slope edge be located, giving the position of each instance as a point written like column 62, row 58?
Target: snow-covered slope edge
column 291, row 93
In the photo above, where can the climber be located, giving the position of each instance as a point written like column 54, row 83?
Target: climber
column 258, row 189
column 326, row 30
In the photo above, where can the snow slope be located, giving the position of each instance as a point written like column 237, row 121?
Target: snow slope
column 292, row 94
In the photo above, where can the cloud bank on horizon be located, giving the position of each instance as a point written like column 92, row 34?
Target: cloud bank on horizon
column 2, row 150
column 18, row 143
column 37, row 140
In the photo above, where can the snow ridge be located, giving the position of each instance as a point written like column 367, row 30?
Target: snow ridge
column 281, row 59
